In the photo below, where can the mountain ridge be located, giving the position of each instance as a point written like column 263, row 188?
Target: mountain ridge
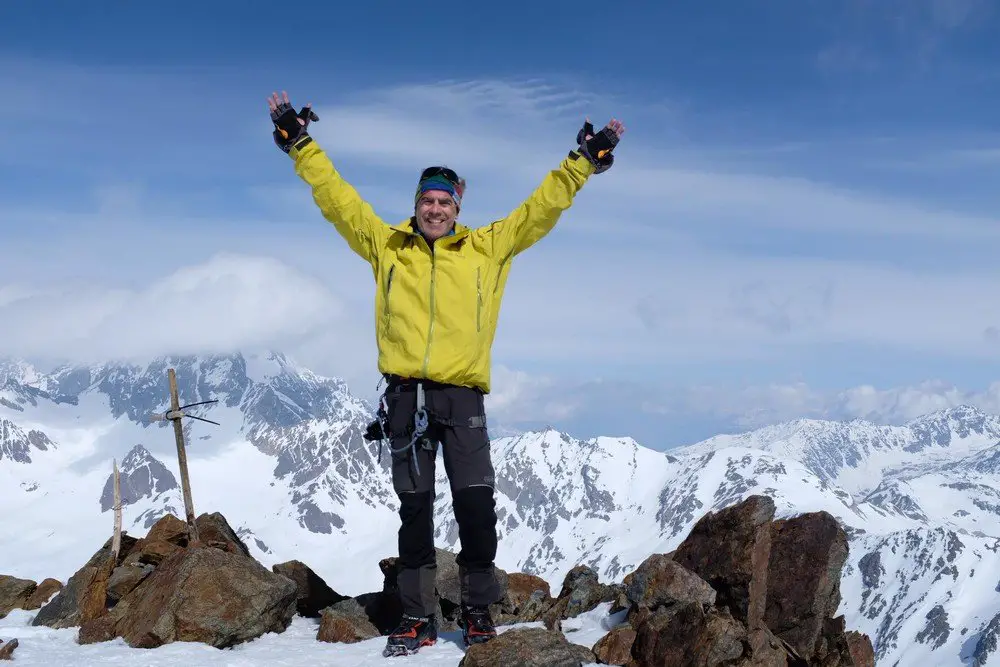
column 291, row 469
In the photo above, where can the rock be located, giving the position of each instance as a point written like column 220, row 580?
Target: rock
column 661, row 581
column 14, row 593
column 202, row 594
column 859, row 647
column 125, row 578
column 729, row 549
column 528, row 596
column 314, row 594
column 152, row 552
column 684, row 635
column 85, row 590
column 615, row 648
column 838, row 648
column 7, row 649
column 170, row 529
column 581, row 592
column 528, row 647
column 215, row 531
column 803, row 580
column 42, row 594
column 346, row 622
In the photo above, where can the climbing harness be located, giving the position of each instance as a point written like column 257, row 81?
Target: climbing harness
column 420, row 423
column 378, row 429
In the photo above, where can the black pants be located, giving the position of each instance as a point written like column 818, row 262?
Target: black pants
column 458, row 423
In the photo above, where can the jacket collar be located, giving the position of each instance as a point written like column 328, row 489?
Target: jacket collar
column 409, row 227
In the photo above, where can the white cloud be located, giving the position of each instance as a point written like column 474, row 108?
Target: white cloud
column 230, row 302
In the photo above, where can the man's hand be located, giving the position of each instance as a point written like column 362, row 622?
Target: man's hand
column 597, row 147
column 289, row 127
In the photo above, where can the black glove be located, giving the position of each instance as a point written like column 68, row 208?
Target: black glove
column 598, row 148
column 288, row 131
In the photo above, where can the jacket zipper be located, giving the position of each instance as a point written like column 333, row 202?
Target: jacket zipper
column 430, row 325
column 388, row 286
column 479, row 299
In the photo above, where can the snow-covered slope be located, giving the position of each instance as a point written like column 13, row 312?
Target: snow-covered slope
column 290, row 470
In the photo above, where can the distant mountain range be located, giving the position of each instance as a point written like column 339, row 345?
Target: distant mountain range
column 290, row 470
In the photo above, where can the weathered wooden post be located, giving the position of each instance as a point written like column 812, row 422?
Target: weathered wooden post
column 175, row 414
column 116, row 540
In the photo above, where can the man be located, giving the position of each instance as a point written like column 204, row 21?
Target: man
column 438, row 290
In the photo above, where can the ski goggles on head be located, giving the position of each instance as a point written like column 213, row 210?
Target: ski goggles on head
column 447, row 173
column 441, row 178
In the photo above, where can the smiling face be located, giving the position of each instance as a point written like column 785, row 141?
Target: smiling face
column 436, row 212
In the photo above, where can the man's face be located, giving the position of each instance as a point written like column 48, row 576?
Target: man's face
column 436, row 212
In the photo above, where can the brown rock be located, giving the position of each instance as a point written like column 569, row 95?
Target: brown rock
column 43, row 593
column 582, row 592
column 207, row 595
column 7, row 649
column 125, row 578
column 661, row 581
column 314, row 594
column 615, row 648
column 803, row 581
column 345, row 622
column 93, row 597
column 859, row 647
column 151, row 552
column 684, row 635
column 766, row 650
column 169, row 528
column 729, row 549
column 528, row 647
column 14, row 593
column 528, row 596
column 65, row 609
column 95, row 630
column 215, row 531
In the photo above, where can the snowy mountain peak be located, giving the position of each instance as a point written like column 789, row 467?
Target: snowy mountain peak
column 141, row 476
column 17, row 445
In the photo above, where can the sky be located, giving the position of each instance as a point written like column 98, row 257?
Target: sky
column 802, row 219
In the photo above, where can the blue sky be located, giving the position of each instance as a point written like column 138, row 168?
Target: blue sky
column 802, row 222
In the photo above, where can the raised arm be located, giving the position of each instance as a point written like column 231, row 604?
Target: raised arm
column 338, row 201
column 538, row 214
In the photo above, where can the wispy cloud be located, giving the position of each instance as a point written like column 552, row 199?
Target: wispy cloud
column 676, row 257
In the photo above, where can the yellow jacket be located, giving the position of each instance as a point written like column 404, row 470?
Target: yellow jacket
column 436, row 311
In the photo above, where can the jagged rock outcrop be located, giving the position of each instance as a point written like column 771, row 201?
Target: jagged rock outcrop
column 162, row 589
column 314, row 595
column 14, row 593
column 742, row 590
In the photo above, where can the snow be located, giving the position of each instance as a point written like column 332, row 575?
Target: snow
column 296, row 646
column 922, row 497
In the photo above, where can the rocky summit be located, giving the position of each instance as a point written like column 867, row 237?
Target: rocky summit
column 741, row 590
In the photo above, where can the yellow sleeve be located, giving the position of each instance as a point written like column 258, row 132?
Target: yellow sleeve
column 339, row 202
column 538, row 214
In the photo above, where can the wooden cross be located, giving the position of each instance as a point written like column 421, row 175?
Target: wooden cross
column 175, row 414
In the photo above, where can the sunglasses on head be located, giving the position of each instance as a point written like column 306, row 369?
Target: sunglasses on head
column 449, row 174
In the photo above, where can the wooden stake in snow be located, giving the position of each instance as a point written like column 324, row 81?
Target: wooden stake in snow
column 175, row 414
column 116, row 541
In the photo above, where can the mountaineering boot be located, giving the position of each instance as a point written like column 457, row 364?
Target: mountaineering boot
column 477, row 624
column 412, row 633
